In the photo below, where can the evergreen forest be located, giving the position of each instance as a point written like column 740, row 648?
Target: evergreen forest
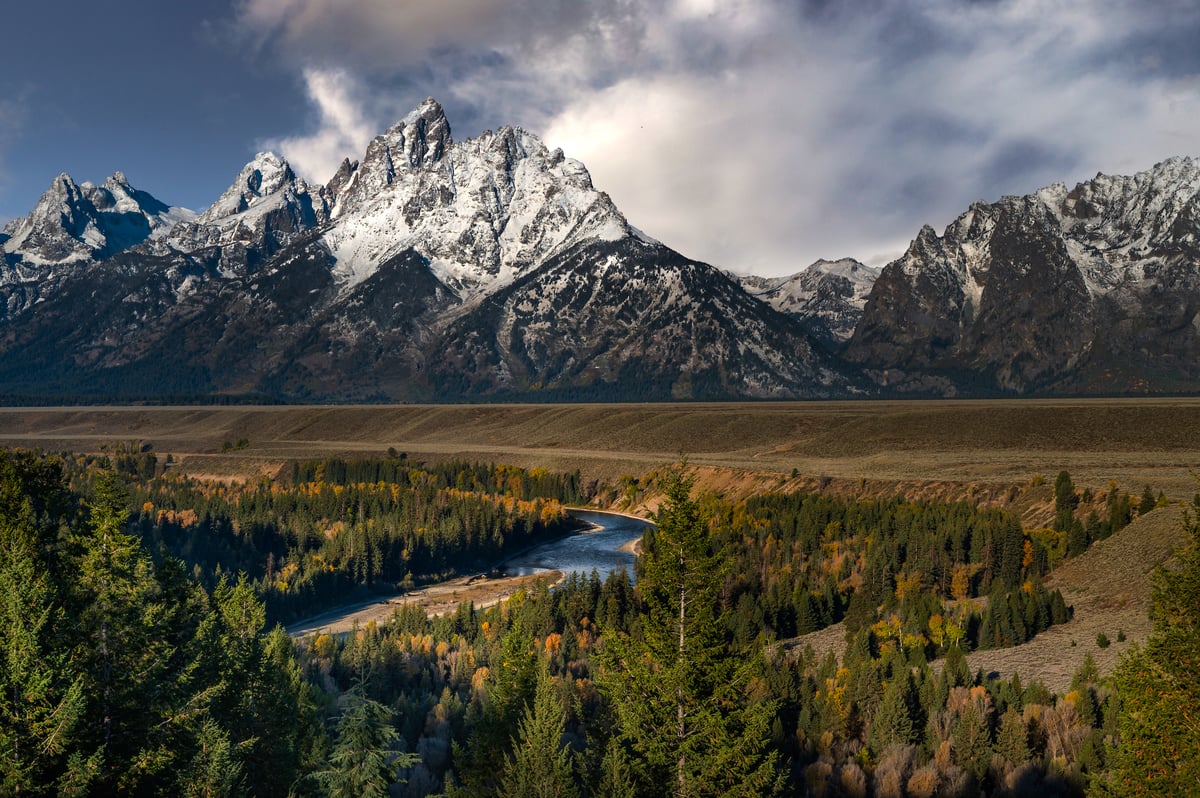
column 142, row 618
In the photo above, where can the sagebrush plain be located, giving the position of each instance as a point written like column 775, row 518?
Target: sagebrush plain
column 989, row 443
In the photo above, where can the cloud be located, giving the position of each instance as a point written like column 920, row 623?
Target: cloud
column 343, row 125
column 762, row 134
column 380, row 36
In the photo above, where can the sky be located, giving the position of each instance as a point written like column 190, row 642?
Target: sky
column 757, row 135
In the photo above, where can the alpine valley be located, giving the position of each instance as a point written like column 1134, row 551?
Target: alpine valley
column 492, row 269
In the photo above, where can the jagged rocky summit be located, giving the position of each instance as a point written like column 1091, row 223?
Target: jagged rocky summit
column 1091, row 290
column 492, row 269
column 828, row 296
column 428, row 269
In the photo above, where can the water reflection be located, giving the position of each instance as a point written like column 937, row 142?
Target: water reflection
column 599, row 549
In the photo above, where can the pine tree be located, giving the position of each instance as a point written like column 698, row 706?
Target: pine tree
column 363, row 763
column 892, row 724
column 955, row 670
column 123, row 651
column 1065, row 500
column 1077, row 540
column 1012, row 738
column 513, row 680
column 972, row 744
column 289, row 734
column 42, row 698
column 215, row 770
column 540, row 765
column 679, row 694
column 1147, row 503
column 616, row 780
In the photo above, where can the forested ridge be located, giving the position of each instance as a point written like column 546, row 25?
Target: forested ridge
column 139, row 658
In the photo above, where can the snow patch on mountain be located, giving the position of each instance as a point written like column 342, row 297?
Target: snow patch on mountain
column 483, row 212
column 828, row 294
column 1116, row 227
column 73, row 223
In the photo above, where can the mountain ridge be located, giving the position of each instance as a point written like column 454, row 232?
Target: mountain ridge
column 1090, row 290
column 492, row 268
column 495, row 253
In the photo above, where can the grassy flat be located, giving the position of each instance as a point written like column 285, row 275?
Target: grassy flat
column 1132, row 441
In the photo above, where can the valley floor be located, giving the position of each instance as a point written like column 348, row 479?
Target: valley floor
column 980, row 442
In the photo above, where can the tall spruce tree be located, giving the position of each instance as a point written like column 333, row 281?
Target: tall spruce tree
column 972, row 742
column 616, row 779
column 42, row 698
column 118, row 609
column 540, row 765
column 1012, row 738
column 892, row 723
column 680, row 692
column 364, row 762
column 509, row 690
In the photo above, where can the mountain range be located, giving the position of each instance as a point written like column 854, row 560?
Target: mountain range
column 492, row 269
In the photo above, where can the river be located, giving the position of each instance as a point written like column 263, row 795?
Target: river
column 599, row 547
column 603, row 548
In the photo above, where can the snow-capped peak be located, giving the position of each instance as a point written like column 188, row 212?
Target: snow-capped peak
column 264, row 176
column 265, row 207
column 420, row 139
column 77, row 222
column 482, row 211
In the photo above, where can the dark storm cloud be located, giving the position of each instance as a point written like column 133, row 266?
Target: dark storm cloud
column 761, row 135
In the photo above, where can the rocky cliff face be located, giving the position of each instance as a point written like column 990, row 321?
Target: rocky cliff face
column 1084, row 290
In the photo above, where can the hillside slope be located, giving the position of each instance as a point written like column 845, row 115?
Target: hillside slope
column 1109, row 588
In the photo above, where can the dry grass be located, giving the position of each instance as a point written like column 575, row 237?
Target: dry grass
column 1109, row 588
column 912, row 445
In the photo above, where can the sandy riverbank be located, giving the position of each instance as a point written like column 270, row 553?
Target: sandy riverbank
column 438, row 599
